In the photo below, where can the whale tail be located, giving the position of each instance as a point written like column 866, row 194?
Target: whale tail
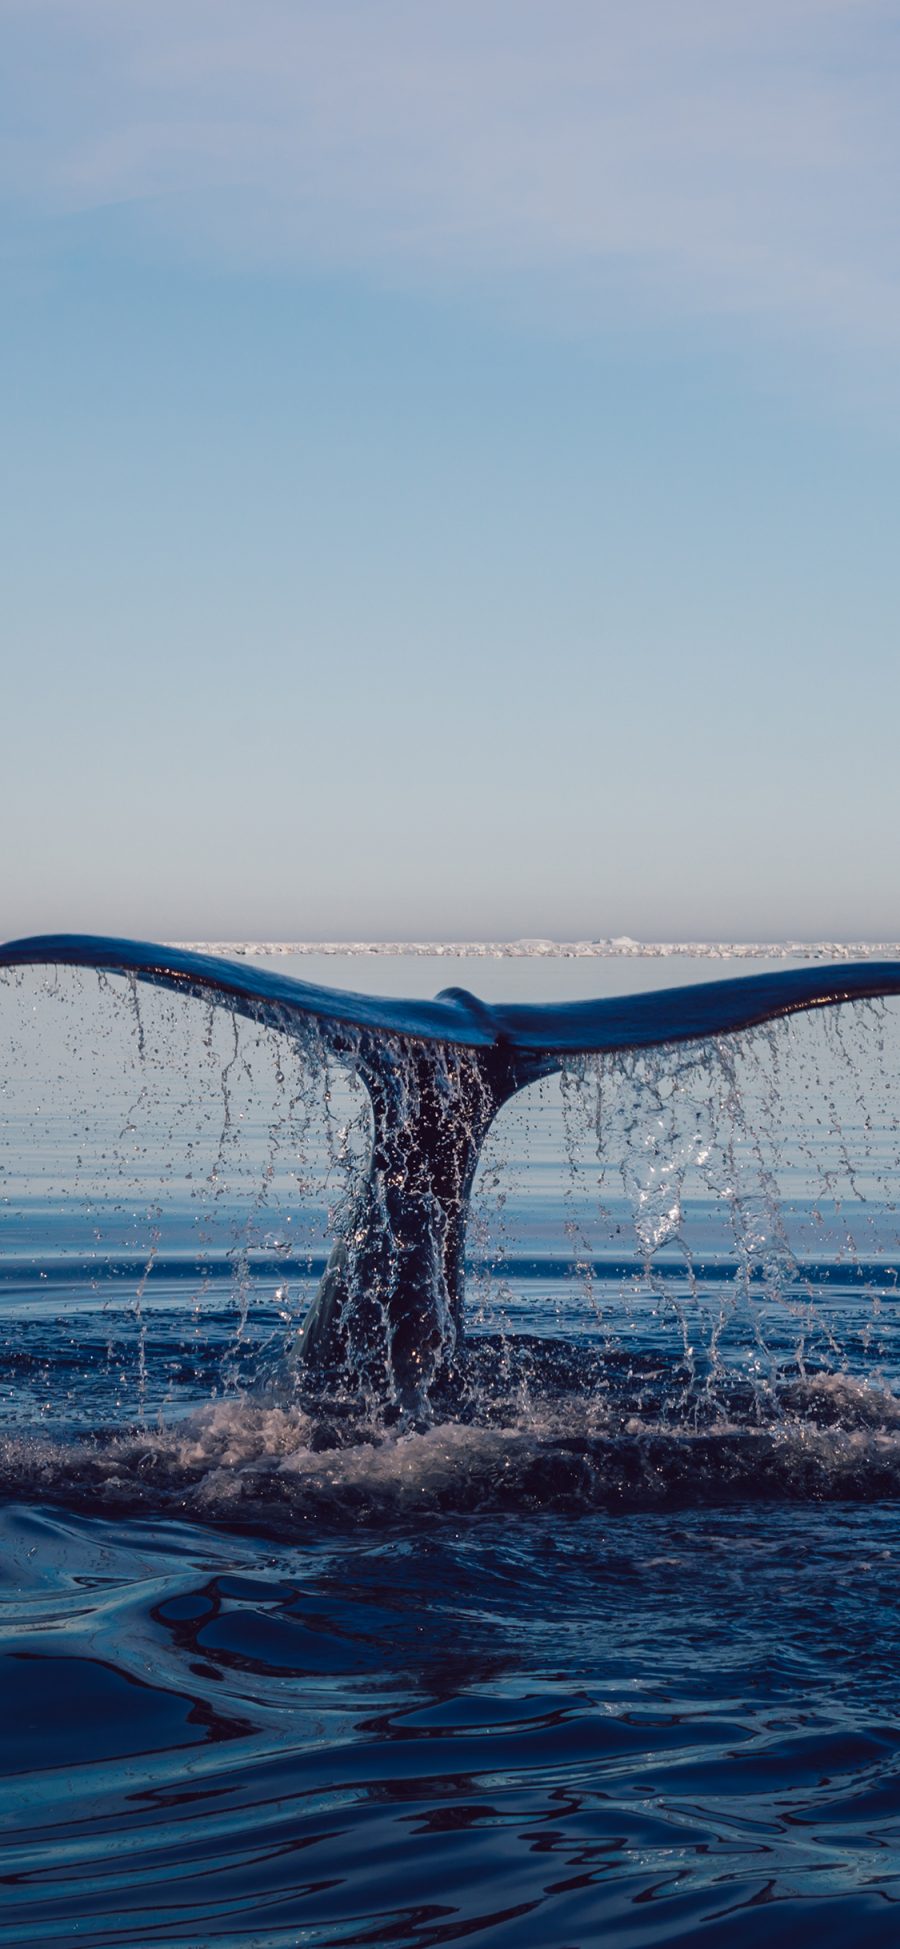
column 389, row 1310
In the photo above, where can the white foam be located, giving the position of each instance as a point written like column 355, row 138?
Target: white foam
column 231, row 1462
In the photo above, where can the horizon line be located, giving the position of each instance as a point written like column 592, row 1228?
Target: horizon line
column 617, row 947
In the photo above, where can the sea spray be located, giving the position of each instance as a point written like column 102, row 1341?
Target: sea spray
column 685, row 1268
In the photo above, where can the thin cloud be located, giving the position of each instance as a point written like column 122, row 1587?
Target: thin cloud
column 740, row 159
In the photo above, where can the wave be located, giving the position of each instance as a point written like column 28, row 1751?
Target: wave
column 278, row 1468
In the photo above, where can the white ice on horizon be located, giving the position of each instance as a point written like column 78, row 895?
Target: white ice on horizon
column 621, row 946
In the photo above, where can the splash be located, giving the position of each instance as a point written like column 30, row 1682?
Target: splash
column 702, row 1308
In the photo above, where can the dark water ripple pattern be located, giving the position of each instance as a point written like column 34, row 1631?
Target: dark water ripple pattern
column 548, row 1732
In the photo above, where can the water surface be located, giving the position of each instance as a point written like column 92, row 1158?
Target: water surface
column 604, row 1652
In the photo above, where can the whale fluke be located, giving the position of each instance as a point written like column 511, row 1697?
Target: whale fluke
column 690, row 1013
column 389, row 1308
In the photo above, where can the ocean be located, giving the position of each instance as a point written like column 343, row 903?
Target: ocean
column 596, row 1644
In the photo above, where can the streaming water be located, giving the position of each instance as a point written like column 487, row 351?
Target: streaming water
column 597, row 1643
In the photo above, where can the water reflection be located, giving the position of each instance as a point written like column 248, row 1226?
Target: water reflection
column 560, row 1727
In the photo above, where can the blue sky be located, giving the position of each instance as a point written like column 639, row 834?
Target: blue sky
column 451, row 468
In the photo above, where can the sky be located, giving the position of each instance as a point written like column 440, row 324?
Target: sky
column 451, row 453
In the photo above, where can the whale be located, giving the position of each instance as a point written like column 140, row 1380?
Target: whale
column 388, row 1315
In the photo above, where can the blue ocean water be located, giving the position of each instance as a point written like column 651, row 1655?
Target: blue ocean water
column 603, row 1650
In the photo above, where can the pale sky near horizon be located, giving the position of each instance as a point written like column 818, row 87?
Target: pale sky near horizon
column 451, row 466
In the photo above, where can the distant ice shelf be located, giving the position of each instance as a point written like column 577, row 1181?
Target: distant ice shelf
column 619, row 947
